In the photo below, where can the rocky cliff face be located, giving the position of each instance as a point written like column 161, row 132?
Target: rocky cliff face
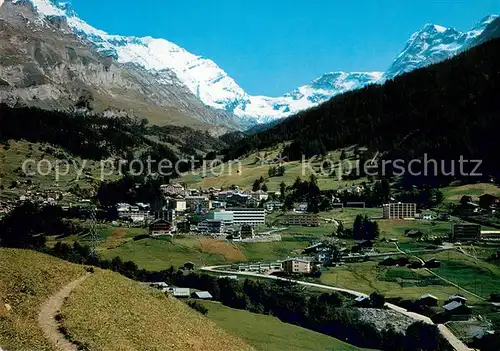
column 43, row 63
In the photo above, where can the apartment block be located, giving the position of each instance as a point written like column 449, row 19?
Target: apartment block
column 400, row 210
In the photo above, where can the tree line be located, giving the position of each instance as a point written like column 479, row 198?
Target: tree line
column 445, row 111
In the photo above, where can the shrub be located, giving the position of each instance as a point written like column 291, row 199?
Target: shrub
column 195, row 305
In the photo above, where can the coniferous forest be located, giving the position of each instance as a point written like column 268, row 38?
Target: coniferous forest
column 444, row 110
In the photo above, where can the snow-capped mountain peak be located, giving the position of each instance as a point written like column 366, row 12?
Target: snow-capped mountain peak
column 434, row 43
column 202, row 76
column 215, row 88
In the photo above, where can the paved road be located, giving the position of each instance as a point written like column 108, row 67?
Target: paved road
column 456, row 343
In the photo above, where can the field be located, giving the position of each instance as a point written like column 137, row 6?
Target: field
column 477, row 276
column 269, row 333
column 244, row 172
column 157, row 254
column 455, row 193
column 143, row 319
column 392, row 282
column 27, row 278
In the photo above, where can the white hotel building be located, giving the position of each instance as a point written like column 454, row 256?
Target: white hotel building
column 250, row 216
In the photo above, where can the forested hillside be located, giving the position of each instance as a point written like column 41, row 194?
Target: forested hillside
column 445, row 110
column 96, row 137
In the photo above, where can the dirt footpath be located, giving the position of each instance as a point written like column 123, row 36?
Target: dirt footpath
column 47, row 316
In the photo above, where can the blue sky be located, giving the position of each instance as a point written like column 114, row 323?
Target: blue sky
column 271, row 47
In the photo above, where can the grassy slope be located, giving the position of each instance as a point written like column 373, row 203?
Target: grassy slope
column 454, row 193
column 225, row 175
column 27, row 278
column 477, row 276
column 269, row 333
column 392, row 282
column 142, row 319
column 157, row 254
column 11, row 161
column 107, row 312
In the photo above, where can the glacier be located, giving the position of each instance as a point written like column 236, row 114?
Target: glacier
column 215, row 88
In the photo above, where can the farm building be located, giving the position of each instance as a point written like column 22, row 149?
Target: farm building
column 428, row 300
column 203, row 295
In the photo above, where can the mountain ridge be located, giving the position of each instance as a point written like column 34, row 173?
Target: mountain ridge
column 215, row 88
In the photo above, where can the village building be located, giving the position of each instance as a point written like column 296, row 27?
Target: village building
column 134, row 213
column 415, row 234
column 457, row 298
column 428, row 300
column 260, row 195
column 362, row 301
column 490, row 235
column 211, row 226
column 466, row 232
column 304, row 219
column 273, row 206
column 179, row 292
column 457, row 311
column 250, row 216
column 172, row 189
column 218, row 204
column 160, row 227
column 399, row 210
column 296, row 266
column 198, row 203
column 202, row 295
column 487, row 200
column 183, row 226
column 247, row 231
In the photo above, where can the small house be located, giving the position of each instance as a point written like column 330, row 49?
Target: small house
column 388, row 261
column 428, row 300
column 189, row 266
column 203, row 295
column 160, row 227
column 416, row 265
column 457, row 311
column 457, row 298
column 433, row 263
column 417, row 234
column 179, row 292
column 362, row 301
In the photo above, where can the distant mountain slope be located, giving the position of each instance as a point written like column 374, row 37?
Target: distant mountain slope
column 42, row 63
column 134, row 317
column 215, row 88
column 445, row 110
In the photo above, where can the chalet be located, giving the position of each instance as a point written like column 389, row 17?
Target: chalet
column 416, row 265
column 172, row 189
column 160, row 227
column 189, row 266
column 414, row 234
column 457, row 311
column 428, row 300
column 362, row 301
column 203, row 295
column 457, row 298
column 432, row 263
column 488, row 200
column 179, row 292
column 388, row 261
